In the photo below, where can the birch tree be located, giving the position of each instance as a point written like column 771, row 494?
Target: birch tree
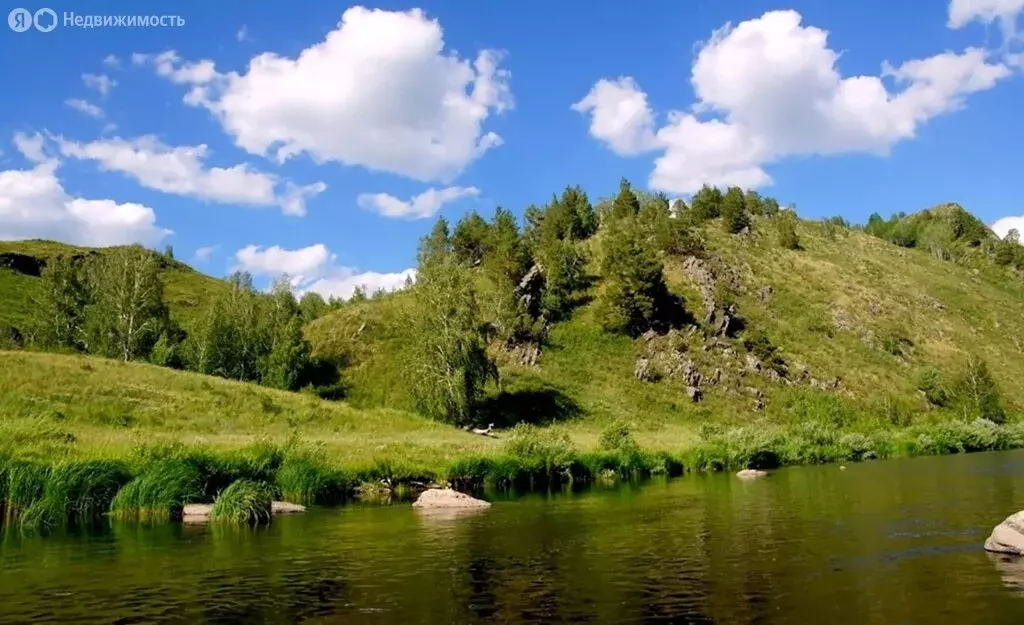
column 128, row 313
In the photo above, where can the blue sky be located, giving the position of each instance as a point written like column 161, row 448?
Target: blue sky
column 488, row 104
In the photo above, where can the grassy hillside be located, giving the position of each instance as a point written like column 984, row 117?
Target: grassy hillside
column 855, row 318
column 186, row 290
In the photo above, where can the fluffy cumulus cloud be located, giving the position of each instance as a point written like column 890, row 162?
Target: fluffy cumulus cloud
column 34, row 204
column 203, row 254
column 1004, row 225
column 421, row 206
column 379, row 91
column 181, row 171
column 769, row 88
column 1005, row 12
column 315, row 269
column 620, row 116
column 99, row 82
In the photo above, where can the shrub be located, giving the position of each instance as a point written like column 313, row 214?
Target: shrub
column 617, row 437
column 550, row 451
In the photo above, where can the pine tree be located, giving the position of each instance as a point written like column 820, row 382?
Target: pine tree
column 469, row 241
column 288, row 357
column 507, row 256
column 312, row 306
column 706, row 204
column 436, row 244
column 585, row 222
column 634, row 293
column 786, row 231
column 734, row 211
column 626, row 203
column 753, row 202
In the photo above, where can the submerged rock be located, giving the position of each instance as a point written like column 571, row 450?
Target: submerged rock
column 1008, row 536
column 749, row 474
column 446, row 498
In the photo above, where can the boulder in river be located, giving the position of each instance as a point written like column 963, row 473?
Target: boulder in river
column 285, row 507
column 446, row 498
column 200, row 512
column 750, row 474
column 1008, row 536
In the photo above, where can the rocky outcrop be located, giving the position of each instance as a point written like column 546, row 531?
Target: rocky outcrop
column 446, row 498
column 1008, row 536
column 22, row 263
column 751, row 474
column 530, row 289
column 720, row 317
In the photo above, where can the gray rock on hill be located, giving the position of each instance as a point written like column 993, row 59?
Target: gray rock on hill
column 1008, row 536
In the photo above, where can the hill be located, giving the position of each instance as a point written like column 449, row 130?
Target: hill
column 853, row 321
column 186, row 290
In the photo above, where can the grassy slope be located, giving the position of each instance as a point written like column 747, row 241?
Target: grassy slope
column 185, row 289
column 111, row 407
column 833, row 304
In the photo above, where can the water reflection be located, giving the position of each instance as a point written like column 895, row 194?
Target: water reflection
column 879, row 543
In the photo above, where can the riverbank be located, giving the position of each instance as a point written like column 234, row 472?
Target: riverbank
column 151, row 482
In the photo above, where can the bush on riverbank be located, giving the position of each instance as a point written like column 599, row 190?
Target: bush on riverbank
column 155, row 482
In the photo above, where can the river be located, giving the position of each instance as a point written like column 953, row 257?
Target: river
column 881, row 542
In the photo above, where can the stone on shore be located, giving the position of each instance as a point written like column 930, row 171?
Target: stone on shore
column 1008, row 536
column 200, row 512
column 446, row 498
column 750, row 474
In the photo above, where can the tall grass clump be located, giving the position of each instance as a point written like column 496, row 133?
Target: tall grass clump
column 24, row 483
column 160, row 491
column 76, row 491
column 306, row 478
column 244, row 502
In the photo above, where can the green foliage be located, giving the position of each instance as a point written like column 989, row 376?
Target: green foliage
column 757, row 343
column 564, row 271
column 734, row 211
column 128, row 313
column 169, row 252
column 770, row 206
column 634, row 296
column 470, row 239
column 76, row 491
column 312, row 306
column 245, row 502
column 930, row 383
column 448, row 363
column 753, row 202
column 435, row 245
column 625, row 205
column 508, row 256
column 1008, row 251
column 977, row 393
column 306, row 478
column 947, row 231
column 166, row 351
column 706, row 204
column 618, row 436
column 159, row 491
column 62, row 298
column 550, row 450
column 785, row 230
column 576, row 200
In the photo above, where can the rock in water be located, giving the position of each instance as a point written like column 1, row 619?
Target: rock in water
column 438, row 498
column 1008, row 536
column 196, row 512
column 285, row 507
column 749, row 474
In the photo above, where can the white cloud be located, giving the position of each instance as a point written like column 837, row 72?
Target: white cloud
column 30, row 146
column 772, row 90
column 243, row 34
column 86, row 108
column 112, row 61
column 204, row 253
column 619, row 116
column 99, row 82
column 314, row 269
column 181, row 171
column 34, row 204
column 380, row 91
column 1004, row 225
column 1005, row 12
column 422, row 206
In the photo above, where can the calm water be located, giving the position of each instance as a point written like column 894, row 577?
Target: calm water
column 885, row 542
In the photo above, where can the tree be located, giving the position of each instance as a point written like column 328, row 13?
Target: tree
column 753, row 203
column 678, row 208
column 625, row 203
column 706, row 204
column 770, row 206
column 786, row 230
column 586, row 217
column 563, row 275
column 436, row 244
column 60, row 306
column 533, row 219
column 312, row 306
column 1008, row 251
column 448, row 365
column 128, row 313
column 358, row 294
column 634, row 294
column 469, row 241
column 734, row 211
column 978, row 394
column 169, row 252
column 507, row 257
column 288, row 356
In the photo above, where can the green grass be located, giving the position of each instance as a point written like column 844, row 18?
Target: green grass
column 245, row 502
column 160, row 491
column 187, row 291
